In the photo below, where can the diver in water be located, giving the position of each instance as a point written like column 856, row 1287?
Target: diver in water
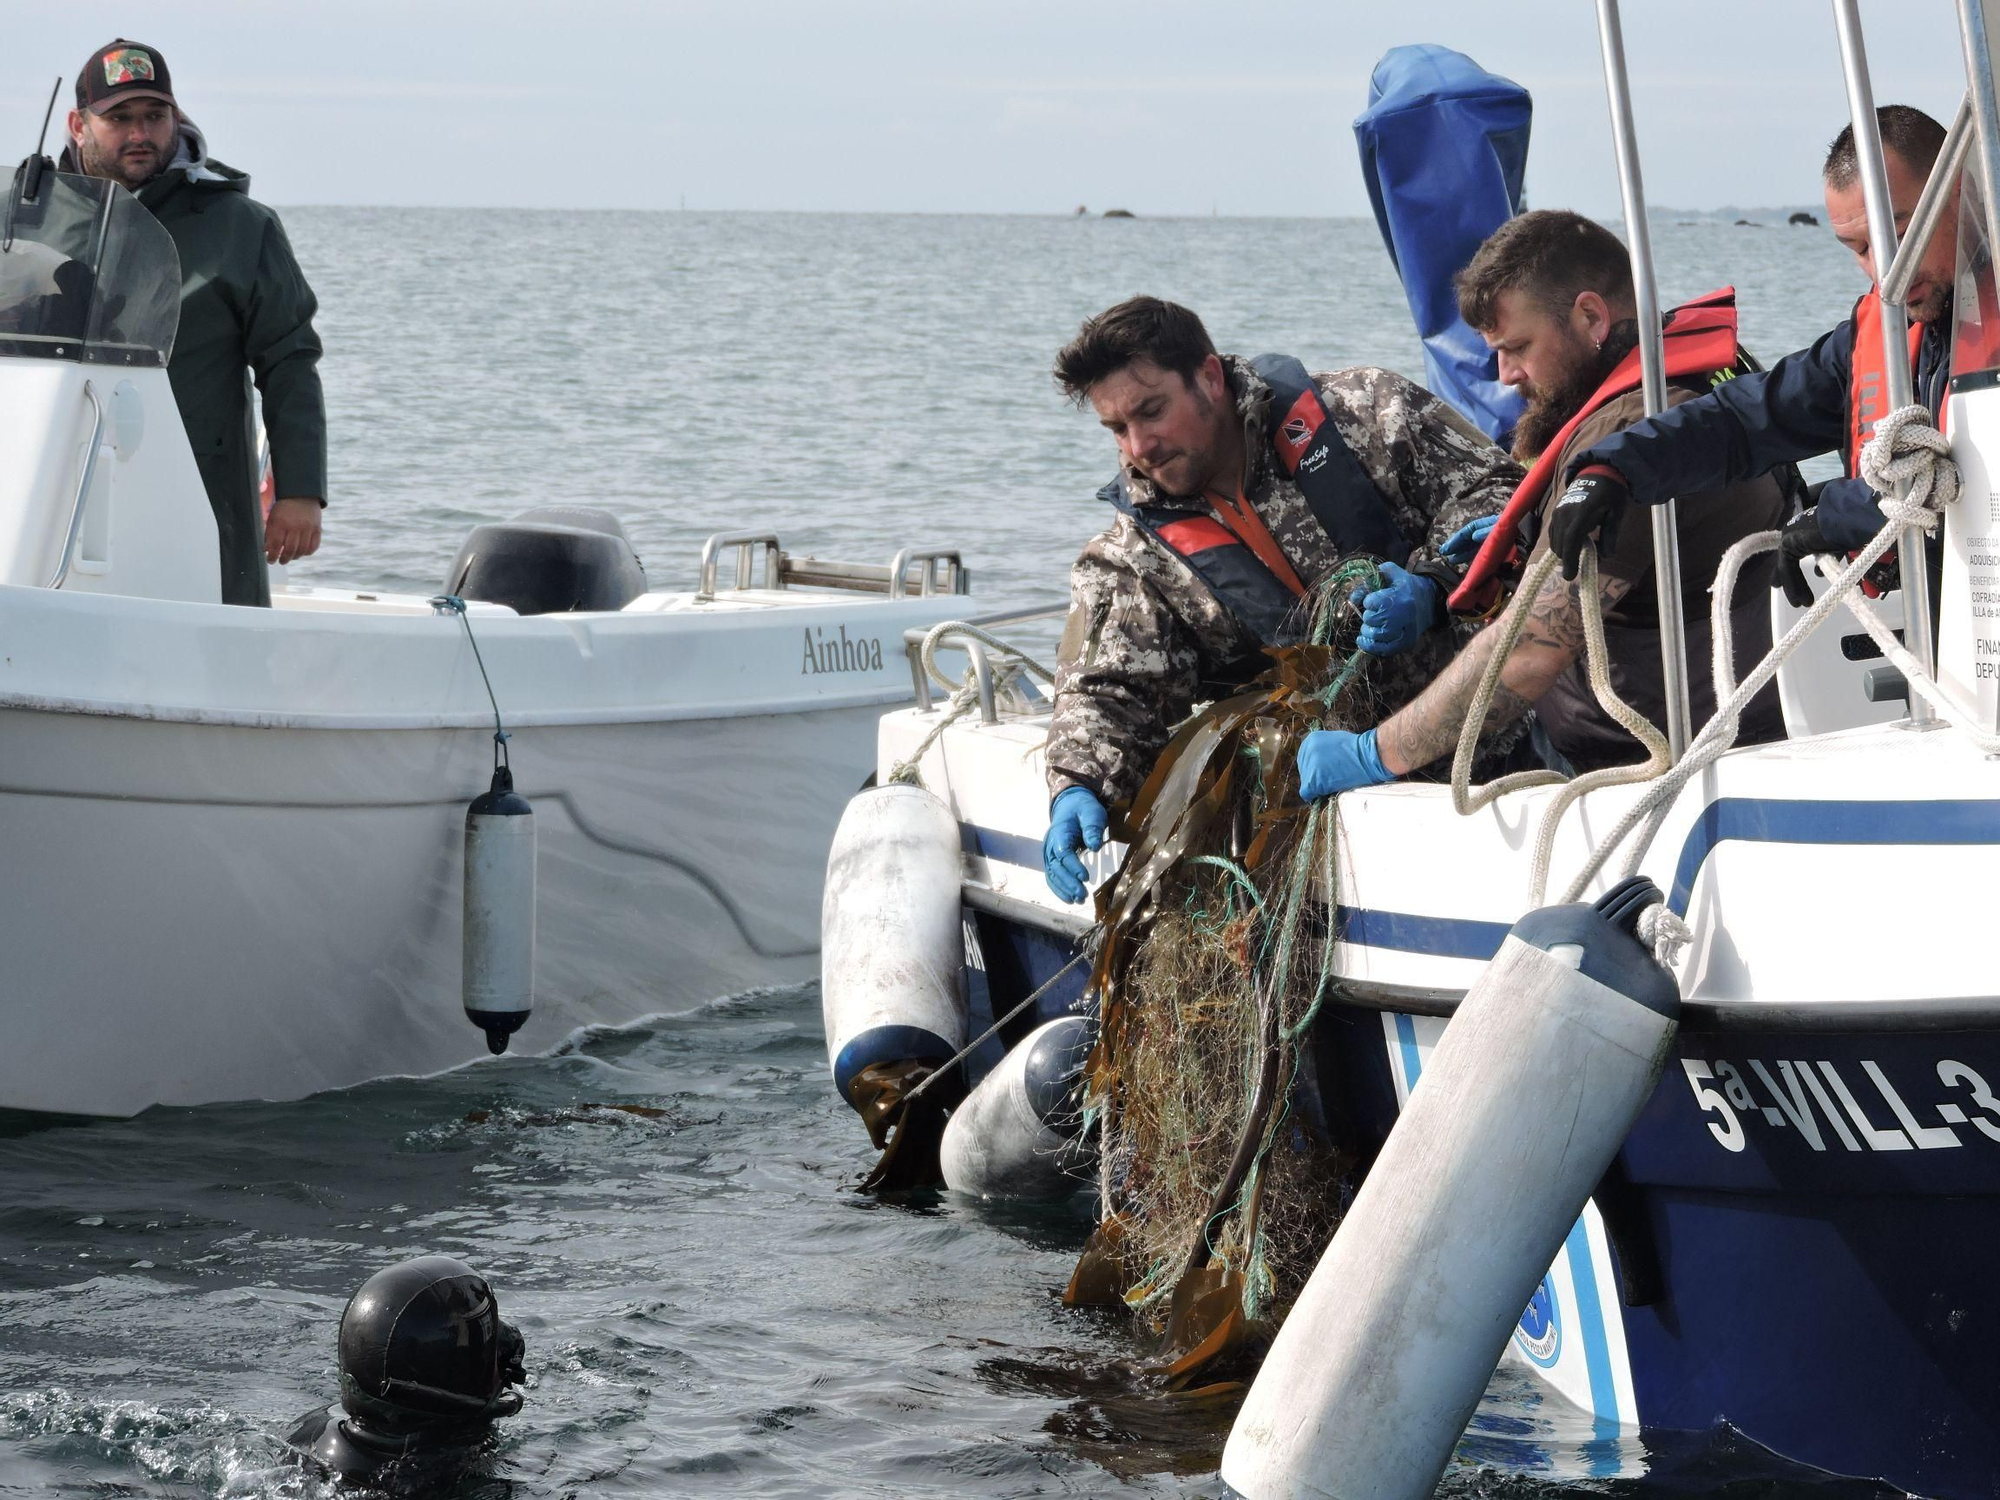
column 426, row 1368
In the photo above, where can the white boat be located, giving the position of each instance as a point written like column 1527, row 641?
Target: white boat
column 1792, row 1241
column 234, row 836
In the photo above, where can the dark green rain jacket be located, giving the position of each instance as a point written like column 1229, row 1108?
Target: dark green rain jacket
column 246, row 314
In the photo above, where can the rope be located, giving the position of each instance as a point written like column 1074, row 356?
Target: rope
column 1908, row 453
column 962, row 630
column 446, row 604
column 964, row 695
column 1467, row 799
column 1235, row 872
column 1907, row 462
column 962, row 703
column 967, row 1050
column 1662, row 930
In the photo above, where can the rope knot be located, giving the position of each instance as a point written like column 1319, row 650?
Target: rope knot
column 1662, row 930
column 1908, row 450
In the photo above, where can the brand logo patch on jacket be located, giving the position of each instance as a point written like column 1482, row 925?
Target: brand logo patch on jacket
column 127, row 65
column 1297, row 432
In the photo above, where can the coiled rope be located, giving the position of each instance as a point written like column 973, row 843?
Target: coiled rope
column 1908, row 463
column 964, row 695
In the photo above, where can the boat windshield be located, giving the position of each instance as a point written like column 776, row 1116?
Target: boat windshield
column 1975, row 336
column 86, row 273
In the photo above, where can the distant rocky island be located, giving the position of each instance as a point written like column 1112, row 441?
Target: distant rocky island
column 1733, row 215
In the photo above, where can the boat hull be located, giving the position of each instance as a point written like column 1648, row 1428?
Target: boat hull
column 1791, row 1209
column 195, row 912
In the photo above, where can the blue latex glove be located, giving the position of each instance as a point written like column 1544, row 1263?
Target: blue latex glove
column 1395, row 616
column 1332, row 761
column 1077, row 820
column 1463, row 544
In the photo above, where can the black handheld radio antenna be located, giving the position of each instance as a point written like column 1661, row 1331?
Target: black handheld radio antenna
column 38, row 163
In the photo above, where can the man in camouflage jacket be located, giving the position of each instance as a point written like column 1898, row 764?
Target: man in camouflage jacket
column 1147, row 638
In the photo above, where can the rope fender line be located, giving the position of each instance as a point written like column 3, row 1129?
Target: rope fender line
column 964, row 695
column 1908, row 462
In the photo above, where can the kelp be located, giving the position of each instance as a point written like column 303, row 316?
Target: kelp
column 1221, row 1184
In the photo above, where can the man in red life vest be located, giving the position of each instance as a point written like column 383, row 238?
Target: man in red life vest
column 1552, row 293
column 1242, row 484
column 1823, row 399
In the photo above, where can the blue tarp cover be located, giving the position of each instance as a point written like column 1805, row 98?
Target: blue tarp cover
column 1444, row 144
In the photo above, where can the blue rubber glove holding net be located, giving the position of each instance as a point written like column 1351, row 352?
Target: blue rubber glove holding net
column 1077, row 820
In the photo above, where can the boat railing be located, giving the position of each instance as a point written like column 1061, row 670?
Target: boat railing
column 1896, row 378
column 83, row 483
column 937, row 570
column 986, row 683
column 1653, row 371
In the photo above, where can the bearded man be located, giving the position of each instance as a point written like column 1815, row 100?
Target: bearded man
column 1825, row 398
column 1551, row 292
column 1242, row 485
column 246, row 312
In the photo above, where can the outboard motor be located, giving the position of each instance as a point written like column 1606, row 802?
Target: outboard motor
column 1017, row 1134
column 426, row 1368
column 549, row 561
column 892, row 963
column 1526, row 1099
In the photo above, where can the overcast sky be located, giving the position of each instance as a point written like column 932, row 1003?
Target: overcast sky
column 1020, row 106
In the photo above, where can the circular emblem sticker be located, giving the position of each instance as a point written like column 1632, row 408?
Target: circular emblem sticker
column 1540, row 1333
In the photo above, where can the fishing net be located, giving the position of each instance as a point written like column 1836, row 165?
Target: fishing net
column 1221, row 1180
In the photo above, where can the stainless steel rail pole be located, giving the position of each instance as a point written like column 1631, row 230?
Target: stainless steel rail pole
column 1653, row 370
column 1917, row 633
column 1977, row 20
column 1925, row 218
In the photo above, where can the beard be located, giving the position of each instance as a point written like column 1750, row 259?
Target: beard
column 1186, row 473
column 1933, row 305
column 1550, row 408
column 129, row 171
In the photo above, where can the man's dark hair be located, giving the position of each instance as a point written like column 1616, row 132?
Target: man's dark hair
column 1910, row 133
column 1138, row 328
column 1550, row 256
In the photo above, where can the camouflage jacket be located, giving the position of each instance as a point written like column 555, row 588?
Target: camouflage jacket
column 1146, row 640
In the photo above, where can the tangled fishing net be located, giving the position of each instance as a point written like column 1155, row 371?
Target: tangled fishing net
column 1221, row 1180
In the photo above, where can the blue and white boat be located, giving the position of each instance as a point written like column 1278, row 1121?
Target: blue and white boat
column 1793, row 1240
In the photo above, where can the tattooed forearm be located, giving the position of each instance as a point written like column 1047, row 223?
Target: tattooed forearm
column 1550, row 640
column 1428, row 726
column 1555, row 623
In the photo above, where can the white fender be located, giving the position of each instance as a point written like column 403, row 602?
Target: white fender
column 892, row 939
column 498, row 976
column 1524, row 1102
column 1015, row 1136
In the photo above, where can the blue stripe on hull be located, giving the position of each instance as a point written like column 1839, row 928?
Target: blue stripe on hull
column 1769, row 820
column 1762, row 820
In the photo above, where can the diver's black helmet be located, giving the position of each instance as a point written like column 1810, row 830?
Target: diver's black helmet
column 422, row 1346
column 425, row 1368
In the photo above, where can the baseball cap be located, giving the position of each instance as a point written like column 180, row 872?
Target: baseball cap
column 123, row 70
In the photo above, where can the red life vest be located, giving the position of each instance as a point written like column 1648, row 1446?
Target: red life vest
column 1699, row 339
column 1868, row 376
column 1240, row 562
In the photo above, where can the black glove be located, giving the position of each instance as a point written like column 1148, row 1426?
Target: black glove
column 1800, row 540
column 1595, row 501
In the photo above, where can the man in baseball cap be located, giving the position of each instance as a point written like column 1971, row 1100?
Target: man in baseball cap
column 125, row 120
column 245, row 306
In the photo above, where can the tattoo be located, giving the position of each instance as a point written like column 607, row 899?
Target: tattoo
column 1553, row 637
column 1555, row 621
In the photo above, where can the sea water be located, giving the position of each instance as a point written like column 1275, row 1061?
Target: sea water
column 670, row 1212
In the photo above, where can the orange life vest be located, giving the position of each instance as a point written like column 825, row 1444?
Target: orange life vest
column 1868, row 378
column 1699, row 339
